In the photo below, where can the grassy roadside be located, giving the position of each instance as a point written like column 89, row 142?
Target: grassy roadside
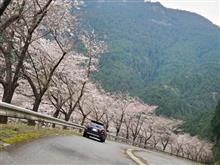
column 15, row 133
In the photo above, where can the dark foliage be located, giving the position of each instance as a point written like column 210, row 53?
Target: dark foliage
column 216, row 131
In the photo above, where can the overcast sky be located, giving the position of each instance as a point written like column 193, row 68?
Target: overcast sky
column 207, row 8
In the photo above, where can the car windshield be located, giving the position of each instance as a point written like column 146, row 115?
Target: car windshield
column 96, row 125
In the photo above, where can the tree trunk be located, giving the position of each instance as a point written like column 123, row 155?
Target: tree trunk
column 56, row 114
column 134, row 138
column 127, row 133
column 145, row 143
column 67, row 117
column 36, row 104
column 164, row 145
column 83, row 120
column 117, row 132
column 7, row 97
column 8, row 94
column 35, row 109
column 107, row 125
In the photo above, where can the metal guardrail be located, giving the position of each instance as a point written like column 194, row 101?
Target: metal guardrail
column 119, row 139
column 22, row 113
column 13, row 111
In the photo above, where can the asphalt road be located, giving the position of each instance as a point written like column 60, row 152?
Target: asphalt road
column 156, row 158
column 76, row 150
column 66, row 150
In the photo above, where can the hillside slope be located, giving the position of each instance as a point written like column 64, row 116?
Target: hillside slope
column 167, row 57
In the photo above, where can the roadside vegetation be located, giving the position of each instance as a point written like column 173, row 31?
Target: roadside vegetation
column 216, row 132
column 14, row 133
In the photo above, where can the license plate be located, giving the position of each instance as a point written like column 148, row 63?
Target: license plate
column 95, row 130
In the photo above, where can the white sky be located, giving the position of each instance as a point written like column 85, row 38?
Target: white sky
column 207, row 8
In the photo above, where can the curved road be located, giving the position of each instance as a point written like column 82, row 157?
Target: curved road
column 66, row 150
column 73, row 150
column 157, row 158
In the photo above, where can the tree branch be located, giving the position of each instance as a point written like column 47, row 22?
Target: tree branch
column 3, row 6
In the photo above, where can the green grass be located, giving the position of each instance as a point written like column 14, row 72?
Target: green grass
column 14, row 133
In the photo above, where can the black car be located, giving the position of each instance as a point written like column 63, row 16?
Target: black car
column 95, row 129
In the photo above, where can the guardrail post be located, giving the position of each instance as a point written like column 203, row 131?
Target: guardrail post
column 38, row 125
column 3, row 119
column 64, row 127
column 31, row 122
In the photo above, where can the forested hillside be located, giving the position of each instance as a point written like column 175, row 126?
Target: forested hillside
column 167, row 57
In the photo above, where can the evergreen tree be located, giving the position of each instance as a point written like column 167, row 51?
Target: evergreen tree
column 216, row 122
column 216, row 131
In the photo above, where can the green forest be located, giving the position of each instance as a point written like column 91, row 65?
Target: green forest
column 166, row 57
column 216, row 132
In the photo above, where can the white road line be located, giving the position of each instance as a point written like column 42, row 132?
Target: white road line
column 134, row 158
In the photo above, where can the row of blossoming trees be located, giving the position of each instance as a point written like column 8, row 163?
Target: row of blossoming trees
column 40, row 69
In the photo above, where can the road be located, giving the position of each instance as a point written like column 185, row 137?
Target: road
column 66, row 150
column 70, row 150
column 156, row 158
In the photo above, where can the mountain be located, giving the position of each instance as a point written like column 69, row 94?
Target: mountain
column 167, row 57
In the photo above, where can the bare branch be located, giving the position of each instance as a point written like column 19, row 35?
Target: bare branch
column 3, row 6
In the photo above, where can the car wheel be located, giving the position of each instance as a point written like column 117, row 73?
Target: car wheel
column 84, row 134
column 102, row 140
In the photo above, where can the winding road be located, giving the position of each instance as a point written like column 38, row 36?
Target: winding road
column 69, row 150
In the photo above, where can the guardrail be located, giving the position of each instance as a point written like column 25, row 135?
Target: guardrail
column 22, row 113
column 119, row 139
column 13, row 111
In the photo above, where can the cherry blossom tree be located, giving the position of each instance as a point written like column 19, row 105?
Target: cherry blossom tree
column 191, row 147
column 76, row 83
column 96, row 106
column 148, row 133
column 57, row 94
column 22, row 20
column 136, row 125
column 165, row 139
column 44, row 67
column 85, row 111
column 123, row 101
column 108, row 117
column 127, row 123
column 155, row 140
